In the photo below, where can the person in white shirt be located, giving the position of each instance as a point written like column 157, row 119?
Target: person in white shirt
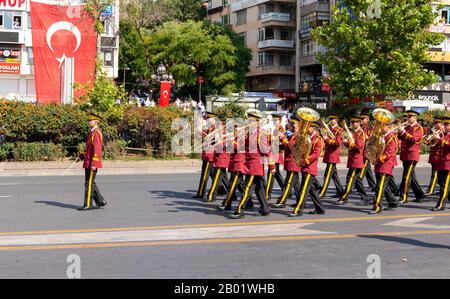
column 147, row 102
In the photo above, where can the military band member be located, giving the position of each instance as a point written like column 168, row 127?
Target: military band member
column 367, row 169
column 309, row 171
column 220, row 164
column 443, row 166
column 207, row 156
column 384, row 171
column 278, row 155
column 290, row 165
column 332, row 157
column 257, row 151
column 355, row 163
column 92, row 162
column 435, row 151
column 411, row 139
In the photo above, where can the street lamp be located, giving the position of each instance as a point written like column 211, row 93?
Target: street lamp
column 125, row 75
column 161, row 76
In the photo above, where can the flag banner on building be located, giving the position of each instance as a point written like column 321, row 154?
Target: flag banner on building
column 164, row 96
column 64, row 48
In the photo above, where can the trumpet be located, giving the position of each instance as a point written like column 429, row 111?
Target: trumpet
column 226, row 137
column 396, row 128
column 326, row 131
column 347, row 132
column 430, row 139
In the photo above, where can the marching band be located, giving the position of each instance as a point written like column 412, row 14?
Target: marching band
column 298, row 146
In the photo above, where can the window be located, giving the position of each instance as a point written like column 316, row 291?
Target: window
column 286, row 60
column 445, row 15
column 241, row 17
column 17, row 22
column 243, row 35
column 285, row 35
column 265, row 58
column 108, row 58
column 265, row 34
column 309, row 48
column 226, row 20
column 1, row 20
column 225, row 3
column 30, row 55
column 29, row 21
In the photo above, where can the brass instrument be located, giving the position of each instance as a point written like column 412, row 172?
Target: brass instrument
column 396, row 128
column 431, row 140
column 376, row 144
column 212, row 144
column 347, row 134
column 326, row 131
column 303, row 145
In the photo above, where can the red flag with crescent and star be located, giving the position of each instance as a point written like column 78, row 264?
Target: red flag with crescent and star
column 164, row 96
column 64, row 48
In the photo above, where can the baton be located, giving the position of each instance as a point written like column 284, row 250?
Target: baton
column 71, row 166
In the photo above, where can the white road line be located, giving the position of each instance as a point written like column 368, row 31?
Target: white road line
column 295, row 229
column 414, row 223
column 9, row 184
column 5, row 196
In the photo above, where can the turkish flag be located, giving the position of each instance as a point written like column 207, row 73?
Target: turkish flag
column 64, row 48
column 164, row 95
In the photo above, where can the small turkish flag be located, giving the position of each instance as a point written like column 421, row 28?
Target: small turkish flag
column 164, row 95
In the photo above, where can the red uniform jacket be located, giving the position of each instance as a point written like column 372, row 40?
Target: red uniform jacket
column 443, row 156
column 356, row 150
column 289, row 162
column 310, row 165
column 368, row 133
column 411, row 139
column 93, row 153
column 333, row 148
column 221, row 157
column 208, row 155
column 387, row 161
column 257, row 152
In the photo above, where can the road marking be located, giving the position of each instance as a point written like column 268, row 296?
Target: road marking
column 220, row 241
column 9, row 184
column 272, row 230
column 321, row 220
column 414, row 223
column 5, row 196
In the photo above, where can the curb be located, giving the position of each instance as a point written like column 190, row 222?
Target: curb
column 11, row 169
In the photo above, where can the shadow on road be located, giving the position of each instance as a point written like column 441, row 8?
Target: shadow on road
column 59, row 204
column 406, row 241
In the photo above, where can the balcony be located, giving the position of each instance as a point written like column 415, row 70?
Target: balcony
column 318, row 6
column 276, row 43
column 214, row 10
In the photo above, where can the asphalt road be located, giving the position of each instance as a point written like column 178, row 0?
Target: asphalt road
column 152, row 228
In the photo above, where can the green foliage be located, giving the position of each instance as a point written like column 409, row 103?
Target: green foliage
column 94, row 8
column 370, row 57
column 230, row 110
column 6, row 149
column 115, row 149
column 37, row 151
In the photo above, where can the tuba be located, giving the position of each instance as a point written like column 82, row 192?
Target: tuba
column 376, row 144
column 303, row 144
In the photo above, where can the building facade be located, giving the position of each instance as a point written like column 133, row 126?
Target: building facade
column 16, row 48
column 268, row 28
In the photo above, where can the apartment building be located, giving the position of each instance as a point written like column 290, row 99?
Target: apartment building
column 268, row 27
column 17, row 76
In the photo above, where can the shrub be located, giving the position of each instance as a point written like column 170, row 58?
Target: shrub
column 115, row 149
column 6, row 150
column 38, row 151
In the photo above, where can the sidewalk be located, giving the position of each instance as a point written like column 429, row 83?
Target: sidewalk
column 125, row 167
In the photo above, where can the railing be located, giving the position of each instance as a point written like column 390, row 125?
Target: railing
column 276, row 16
column 276, row 43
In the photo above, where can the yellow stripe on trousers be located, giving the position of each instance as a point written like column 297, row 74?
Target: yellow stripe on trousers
column 361, row 175
column 302, row 197
column 405, row 190
column 244, row 198
column 380, row 192
column 205, row 175
column 268, row 184
column 232, row 190
column 433, row 185
column 91, row 175
column 213, row 188
column 349, row 186
column 286, row 189
column 327, row 180
column 444, row 195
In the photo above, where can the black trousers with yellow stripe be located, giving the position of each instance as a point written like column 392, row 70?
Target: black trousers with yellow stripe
column 444, row 182
column 254, row 184
column 207, row 171
column 354, row 179
column 409, row 179
column 291, row 181
column 331, row 174
column 307, row 187
column 271, row 178
column 220, row 178
column 383, row 190
column 433, row 181
column 91, row 191
column 368, row 174
column 236, row 183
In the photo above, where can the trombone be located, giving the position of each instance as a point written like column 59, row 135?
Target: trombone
column 326, row 131
column 396, row 128
column 349, row 136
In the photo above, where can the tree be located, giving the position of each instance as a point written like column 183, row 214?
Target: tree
column 378, row 53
